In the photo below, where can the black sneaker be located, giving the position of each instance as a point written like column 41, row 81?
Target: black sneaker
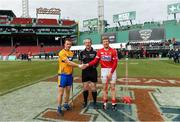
column 114, row 107
column 104, row 106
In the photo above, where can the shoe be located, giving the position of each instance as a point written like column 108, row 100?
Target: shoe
column 59, row 111
column 67, row 106
column 114, row 107
column 105, row 106
column 84, row 105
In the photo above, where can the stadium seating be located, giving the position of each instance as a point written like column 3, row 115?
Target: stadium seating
column 3, row 20
column 68, row 22
column 5, row 51
column 48, row 49
column 35, row 50
column 47, row 22
column 25, row 49
column 21, row 21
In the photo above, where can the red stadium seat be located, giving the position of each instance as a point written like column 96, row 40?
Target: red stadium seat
column 21, row 21
column 5, row 51
column 47, row 22
column 37, row 49
column 3, row 20
column 48, row 49
column 68, row 22
column 25, row 49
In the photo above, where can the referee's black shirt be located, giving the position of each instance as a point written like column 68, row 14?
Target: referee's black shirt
column 87, row 56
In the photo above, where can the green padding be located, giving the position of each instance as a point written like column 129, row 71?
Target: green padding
column 12, row 58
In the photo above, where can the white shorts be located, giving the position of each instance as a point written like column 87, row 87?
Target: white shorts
column 105, row 72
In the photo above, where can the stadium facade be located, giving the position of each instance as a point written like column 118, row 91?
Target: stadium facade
column 36, row 35
column 41, row 36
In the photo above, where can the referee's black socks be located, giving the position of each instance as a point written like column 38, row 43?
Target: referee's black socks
column 94, row 95
column 85, row 94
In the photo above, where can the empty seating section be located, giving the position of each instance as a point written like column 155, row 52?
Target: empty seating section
column 40, row 21
column 21, row 21
column 3, row 20
column 52, row 48
column 37, row 49
column 25, row 49
column 5, row 51
column 68, row 22
column 47, row 22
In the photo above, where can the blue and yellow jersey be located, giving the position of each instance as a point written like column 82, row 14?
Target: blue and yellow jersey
column 64, row 68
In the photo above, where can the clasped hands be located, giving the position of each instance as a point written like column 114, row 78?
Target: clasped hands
column 83, row 66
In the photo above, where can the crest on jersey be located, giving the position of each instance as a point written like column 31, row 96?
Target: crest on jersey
column 70, row 58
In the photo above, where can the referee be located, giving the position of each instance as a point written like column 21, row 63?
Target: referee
column 89, row 75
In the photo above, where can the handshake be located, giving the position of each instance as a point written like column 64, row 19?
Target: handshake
column 83, row 66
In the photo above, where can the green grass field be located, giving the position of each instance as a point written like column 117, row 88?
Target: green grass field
column 19, row 73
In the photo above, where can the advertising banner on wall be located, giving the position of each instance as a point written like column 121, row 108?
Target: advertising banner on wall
column 147, row 35
column 111, row 36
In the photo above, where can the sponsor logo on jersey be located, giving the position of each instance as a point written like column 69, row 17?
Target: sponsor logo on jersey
column 91, row 55
column 106, row 58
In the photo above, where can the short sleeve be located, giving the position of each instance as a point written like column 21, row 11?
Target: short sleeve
column 62, row 56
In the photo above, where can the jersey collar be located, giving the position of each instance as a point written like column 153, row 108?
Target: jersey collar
column 107, row 49
column 89, row 50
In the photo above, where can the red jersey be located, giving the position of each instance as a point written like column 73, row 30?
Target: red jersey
column 107, row 58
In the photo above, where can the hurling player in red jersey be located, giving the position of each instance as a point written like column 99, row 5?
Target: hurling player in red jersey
column 108, row 59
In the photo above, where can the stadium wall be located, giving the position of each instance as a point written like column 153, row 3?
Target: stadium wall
column 172, row 29
column 95, row 36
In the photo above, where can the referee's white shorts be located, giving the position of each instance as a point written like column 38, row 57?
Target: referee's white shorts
column 105, row 72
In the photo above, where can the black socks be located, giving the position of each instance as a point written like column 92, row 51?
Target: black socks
column 94, row 95
column 85, row 94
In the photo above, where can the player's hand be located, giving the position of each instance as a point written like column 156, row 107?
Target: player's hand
column 109, row 76
column 80, row 66
column 83, row 66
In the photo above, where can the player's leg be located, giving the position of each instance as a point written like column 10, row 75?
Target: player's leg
column 113, row 95
column 69, row 82
column 113, row 90
column 104, row 73
column 61, row 86
column 105, row 95
column 60, row 98
column 66, row 97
